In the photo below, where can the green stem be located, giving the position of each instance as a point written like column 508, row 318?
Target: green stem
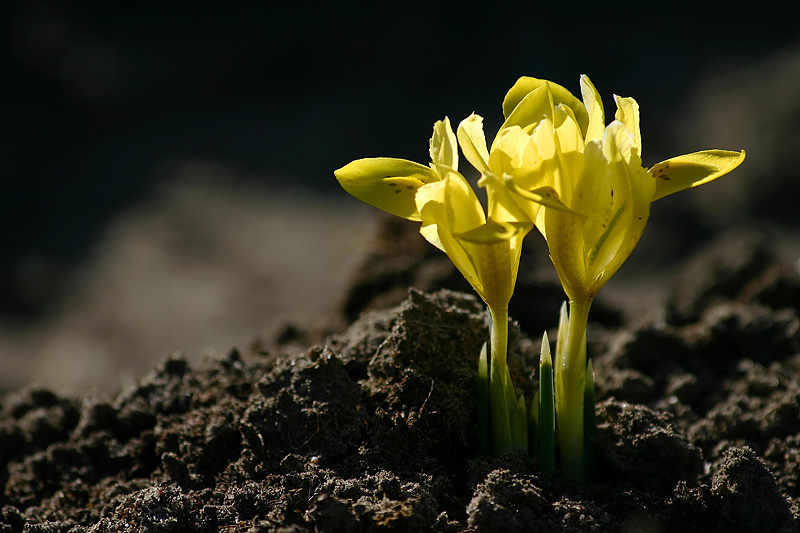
column 499, row 402
column 570, row 375
column 499, row 338
column 509, row 418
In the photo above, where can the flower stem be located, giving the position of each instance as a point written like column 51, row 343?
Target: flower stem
column 499, row 404
column 499, row 337
column 509, row 419
column 570, row 374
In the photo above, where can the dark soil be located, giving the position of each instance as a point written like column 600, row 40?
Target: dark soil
column 374, row 428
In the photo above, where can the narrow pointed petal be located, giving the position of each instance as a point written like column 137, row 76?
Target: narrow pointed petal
column 628, row 114
column 473, row 142
column 691, row 170
column 515, row 154
column 594, row 108
column 387, row 183
column 443, row 146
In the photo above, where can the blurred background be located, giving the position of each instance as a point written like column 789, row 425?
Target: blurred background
column 166, row 169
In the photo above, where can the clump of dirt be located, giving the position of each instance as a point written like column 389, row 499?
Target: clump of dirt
column 374, row 428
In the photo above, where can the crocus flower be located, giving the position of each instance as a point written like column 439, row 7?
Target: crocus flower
column 555, row 145
column 599, row 195
column 485, row 247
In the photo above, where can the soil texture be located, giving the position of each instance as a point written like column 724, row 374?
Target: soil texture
column 370, row 425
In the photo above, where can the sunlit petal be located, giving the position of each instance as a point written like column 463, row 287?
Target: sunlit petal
column 691, row 170
column 628, row 114
column 473, row 142
column 443, row 147
column 594, row 108
column 387, row 183
column 558, row 95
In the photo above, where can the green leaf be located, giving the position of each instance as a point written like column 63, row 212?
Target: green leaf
column 502, row 441
column 589, row 424
column 484, row 429
column 547, row 409
column 387, row 183
column 533, row 426
column 519, row 426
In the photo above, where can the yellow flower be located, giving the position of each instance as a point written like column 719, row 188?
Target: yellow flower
column 553, row 145
column 391, row 184
column 485, row 250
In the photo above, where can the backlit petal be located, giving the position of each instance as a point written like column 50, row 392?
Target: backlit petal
column 691, row 170
column 473, row 142
column 559, row 95
column 515, row 154
column 443, row 147
column 594, row 108
column 628, row 114
column 387, row 183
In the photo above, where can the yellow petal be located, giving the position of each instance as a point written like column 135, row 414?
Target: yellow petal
column 493, row 232
column 533, row 200
column 447, row 208
column 503, row 206
column 594, row 108
column 628, row 114
column 521, row 88
column 534, row 107
column 494, row 250
column 691, row 170
column 464, row 210
column 622, row 209
column 565, row 242
column 430, row 203
column 387, row 183
column 559, row 95
column 570, row 138
column 515, row 154
column 443, row 147
column 473, row 142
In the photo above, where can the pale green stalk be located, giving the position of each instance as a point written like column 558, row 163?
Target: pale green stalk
column 499, row 402
column 508, row 413
column 570, row 375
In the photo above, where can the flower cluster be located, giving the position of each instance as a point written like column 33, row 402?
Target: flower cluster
column 555, row 165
